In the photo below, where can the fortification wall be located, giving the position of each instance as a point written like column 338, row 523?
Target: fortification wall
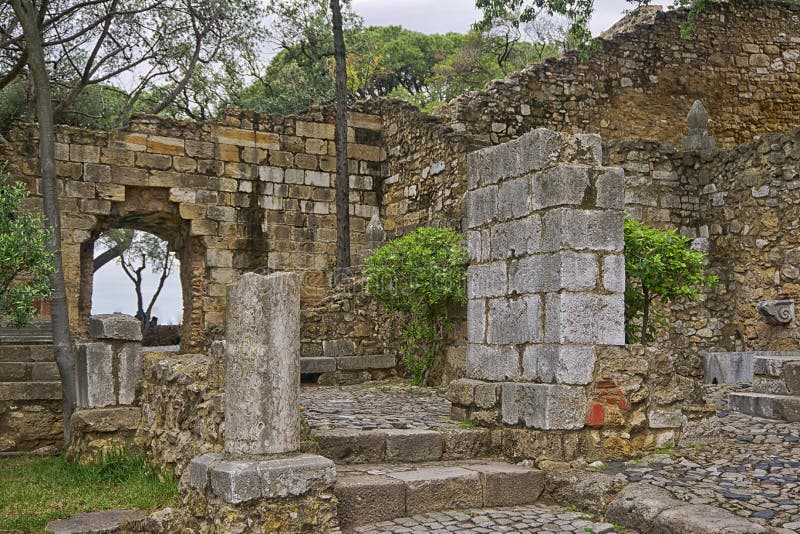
column 741, row 61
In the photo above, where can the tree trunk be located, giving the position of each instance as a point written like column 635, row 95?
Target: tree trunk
column 340, row 138
column 28, row 17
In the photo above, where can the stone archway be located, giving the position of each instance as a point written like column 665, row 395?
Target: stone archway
column 150, row 210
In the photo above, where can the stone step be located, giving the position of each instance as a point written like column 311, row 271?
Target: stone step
column 24, row 391
column 330, row 364
column 354, row 446
column 105, row 521
column 767, row 405
column 777, row 375
column 27, row 353
column 383, row 492
column 28, row 372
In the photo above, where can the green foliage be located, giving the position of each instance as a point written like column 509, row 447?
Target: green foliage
column 38, row 490
column 420, row 275
column 658, row 265
column 25, row 261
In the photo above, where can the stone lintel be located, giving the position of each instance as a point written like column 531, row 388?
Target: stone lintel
column 115, row 326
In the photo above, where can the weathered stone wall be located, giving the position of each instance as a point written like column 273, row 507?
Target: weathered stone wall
column 741, row 61
column 256, row 192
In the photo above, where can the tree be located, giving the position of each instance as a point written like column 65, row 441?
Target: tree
column 420, row 275
column 340, row 139
column 25, row 261
column 518, row 12
column 30, row 18
column 659, row 265
column 141, row 250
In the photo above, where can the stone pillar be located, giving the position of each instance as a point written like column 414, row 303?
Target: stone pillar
column 262, row 364
column 546, row 279
column 260, row 479
column 108, row 370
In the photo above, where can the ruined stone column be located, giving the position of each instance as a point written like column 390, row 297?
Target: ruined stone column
column 262, row 364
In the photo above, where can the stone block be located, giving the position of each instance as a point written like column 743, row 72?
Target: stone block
column 509, row 485
column 665, row 418
column 638, row 505
column 199, row 467
column 516, row 238
column 486, row 280
column 462, row 391
column 95, row 373
column 105, row 521
column 791, row 377
column 585, row 318
column 370, row 361
column 236, row 481
column 294, row 476
column 703, row 519
column 575, row 229
column 544, row 406
column 514, row 321
column 413, row 445
column 317, row 365
column 440, row 488
column 494, row 363
column 350, row 446
column 614, row 273
column 512, row 199
column 486, row 395
column 610, row 186
column 129, row 371
column 564, row 185
column 115, row 326
column 593, row 144
column 578, row 271
column 481, row 206
column 366, row 499
column 559, row 364
column 535, row 274
column 476, row 320
column 727, row 367
column 336, row 348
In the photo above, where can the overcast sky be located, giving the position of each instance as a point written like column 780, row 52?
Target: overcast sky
column 113, row 292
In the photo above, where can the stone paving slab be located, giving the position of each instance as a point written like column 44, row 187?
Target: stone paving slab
column 380, row 405
column 105, row 521
column 520, row 519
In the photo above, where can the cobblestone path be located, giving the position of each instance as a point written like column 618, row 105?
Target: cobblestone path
column 380, row 405
column 752, row 470
column 528, row 519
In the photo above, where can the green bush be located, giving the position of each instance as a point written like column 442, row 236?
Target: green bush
column 25, row 261
column 658, row 265
column 420, row 275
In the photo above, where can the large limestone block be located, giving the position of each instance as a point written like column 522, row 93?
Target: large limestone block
column 544, row 406
column 115, row 326
column 585, row 318
column 95, row 373
column 262, row 364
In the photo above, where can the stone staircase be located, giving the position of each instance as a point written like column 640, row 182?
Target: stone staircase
column 776, row 387
column 370, row 493
column 30, row 388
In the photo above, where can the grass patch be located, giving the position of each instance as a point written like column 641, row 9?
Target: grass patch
column 37, row 490
column 466, row 424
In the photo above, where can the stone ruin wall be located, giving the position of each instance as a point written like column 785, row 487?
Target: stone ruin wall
column 256, row 192
column 742, row 62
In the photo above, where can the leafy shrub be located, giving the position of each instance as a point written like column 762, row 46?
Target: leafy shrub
column 658, row 265
column 25, row 261
column 420, row 275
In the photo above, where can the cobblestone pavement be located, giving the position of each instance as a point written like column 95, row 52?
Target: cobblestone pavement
column 533, row 518
column 389, row 404
column 752, row 470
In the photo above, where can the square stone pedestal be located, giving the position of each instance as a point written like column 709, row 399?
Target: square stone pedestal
column 288, row 493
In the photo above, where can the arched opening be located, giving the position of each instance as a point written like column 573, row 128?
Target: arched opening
column 137, row 273
column 149, row 210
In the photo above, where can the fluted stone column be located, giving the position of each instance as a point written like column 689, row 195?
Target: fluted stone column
column 262, row 364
